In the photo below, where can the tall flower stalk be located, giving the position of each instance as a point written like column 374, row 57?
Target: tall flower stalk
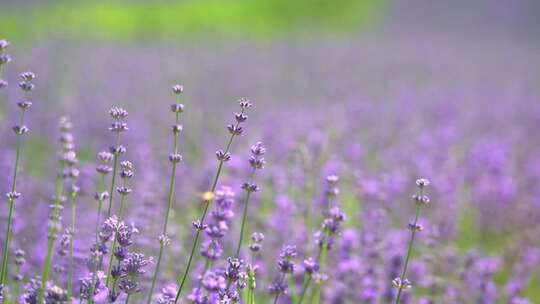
column 4, row 60
column 255, row 247
column 324, row 239
column 67, row 159
column 174, row 158
column 20, row 130
column 125, row 174
column 118, row 126
column 20, row 260
column 71, row 173
column 286, row 266
column 256, row 162
column 101, row 195
column 420, row 200
column 73, row 198
column 222, row 156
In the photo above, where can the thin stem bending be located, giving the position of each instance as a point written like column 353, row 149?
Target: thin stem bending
column 20, row 130
column 222, row 156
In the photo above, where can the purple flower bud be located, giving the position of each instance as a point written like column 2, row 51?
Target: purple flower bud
column 277, row 287
column 126, row 165
column 3, row 44
column 235, row 129
column 116, row 271
column 26, row 86
column 12, row 196
column 24, row 105
column 178, row 89
column 258, row 149
column 177, row 108
column 422, row 182
column 405, row 284
column 213, row 282
column 421, row 199
column 126, row 174
column 101, row 196
column 105, row 156
column 28, row 76
column 20, row 130
column 103, row 169
column 256, row 163
column 286, row 266
column 257, row 237
column 123, row 190
column 211, row 249
column 176, row 129
column 222, row 156
column 232, row 272
column 289, row 251
column 4, row 59
column 198, row 225
column 3, row 84
column 240, row 117
column 164, row 240
column 250, row 187
column 120, row 253
column 311, row 266
column 117, row 150
column 118, row 126
column 118, row 113
column 415, row 227
column 175, row 158
column 332, row 179
column 244, row 103
column 75, row 189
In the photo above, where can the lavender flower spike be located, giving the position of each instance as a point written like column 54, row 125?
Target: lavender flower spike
column 174, row 158
column 401, row 282
column 4, row 59
column 67, row 159
column 118, row 126
column 222, row 156
column 12, row 196
column 256, row 161
column 126, row 173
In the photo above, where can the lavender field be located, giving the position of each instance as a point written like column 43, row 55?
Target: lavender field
column 400, row 165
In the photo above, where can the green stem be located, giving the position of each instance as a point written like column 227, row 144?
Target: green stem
column 7, row 238
column 244, row 217
column 100, row 205
column 170, row 200
column 321, row 259
column 154, row 277
column 98, row 263
column 51, row 238
column 195, row 241
column 6, row 243
column 304, row 289
column 71, row 246
column 113, row 179
column 127, row 299
column 409, row 251
column 17, row 283
column 252, row 296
